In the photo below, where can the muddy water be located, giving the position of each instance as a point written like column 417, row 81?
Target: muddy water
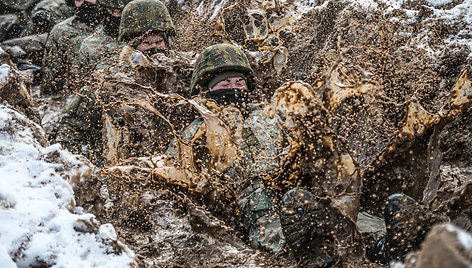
column 383, row 107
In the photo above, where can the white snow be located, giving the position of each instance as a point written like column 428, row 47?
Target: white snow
column 464, row 238
column 37, row 224
column 438, row 2
column 4, row 71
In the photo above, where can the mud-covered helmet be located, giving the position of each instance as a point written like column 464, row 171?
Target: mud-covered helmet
column 145, row 16
column 217, row 59
column 118, row 4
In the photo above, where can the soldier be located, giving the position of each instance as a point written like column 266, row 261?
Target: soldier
column 35, row 17
column 99, row 50
column 147, row 26
column 80, row 127
column 223, row 74
column 272, row 220
column 64, row 42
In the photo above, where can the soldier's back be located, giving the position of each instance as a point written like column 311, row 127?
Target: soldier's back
column 99, row 50
column 62, row 50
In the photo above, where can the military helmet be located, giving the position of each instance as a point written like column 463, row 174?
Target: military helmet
column 141, row 16
column 118, row 4
column 217, row 59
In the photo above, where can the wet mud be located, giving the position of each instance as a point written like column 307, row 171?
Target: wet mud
column 372, row 104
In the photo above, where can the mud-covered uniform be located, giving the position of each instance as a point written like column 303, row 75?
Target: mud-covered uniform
column 97, row 51
column 259, row 150
column 81, row 123
column 80, row 126
column 61, row 53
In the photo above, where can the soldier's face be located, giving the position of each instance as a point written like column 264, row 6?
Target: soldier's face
column 78, row 3
column 115, row 12
column 232, row 82
column 155, row 41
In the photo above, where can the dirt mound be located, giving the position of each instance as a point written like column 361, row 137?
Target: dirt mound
column 13, row 89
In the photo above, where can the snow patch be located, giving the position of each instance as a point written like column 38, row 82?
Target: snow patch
column 436, row 3
column 4, row 71
column 37, row 225
column 464, row 238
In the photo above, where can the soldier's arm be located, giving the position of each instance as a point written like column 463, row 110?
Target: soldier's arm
column 80, row 126
column 81, row 69
column 53, row 66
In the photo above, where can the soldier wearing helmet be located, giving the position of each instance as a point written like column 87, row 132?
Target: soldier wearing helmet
column 81, row 123
column 99, row 49
column 64, row 42
column 224, row 76
column 147, row 26
column 34, row 17
column 223, row 71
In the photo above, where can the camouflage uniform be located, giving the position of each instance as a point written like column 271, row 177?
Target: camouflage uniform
column 97, row 51
column 259, row 150
column 80, row 127
column 81, row 122
column 61, row 52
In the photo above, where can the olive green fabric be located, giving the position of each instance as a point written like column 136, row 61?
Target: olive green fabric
column 61, row 54
column 217, row 59
column 145, row 16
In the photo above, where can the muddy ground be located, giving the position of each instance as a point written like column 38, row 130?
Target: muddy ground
column 387, row 85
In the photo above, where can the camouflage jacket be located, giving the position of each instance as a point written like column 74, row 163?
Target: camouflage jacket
column 259, row 148
column 61, row 53
column 79, row 130
column 97, row 51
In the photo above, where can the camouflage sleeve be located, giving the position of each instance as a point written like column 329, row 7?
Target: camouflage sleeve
column 173, row 150
column 53, row 66
column 82, row 67
column 259, row 203
column 80, row 127
column 261, row 220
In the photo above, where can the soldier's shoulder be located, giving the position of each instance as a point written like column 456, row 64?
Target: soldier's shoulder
column 62, row 26
column 71, row 26
column 97, row 38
